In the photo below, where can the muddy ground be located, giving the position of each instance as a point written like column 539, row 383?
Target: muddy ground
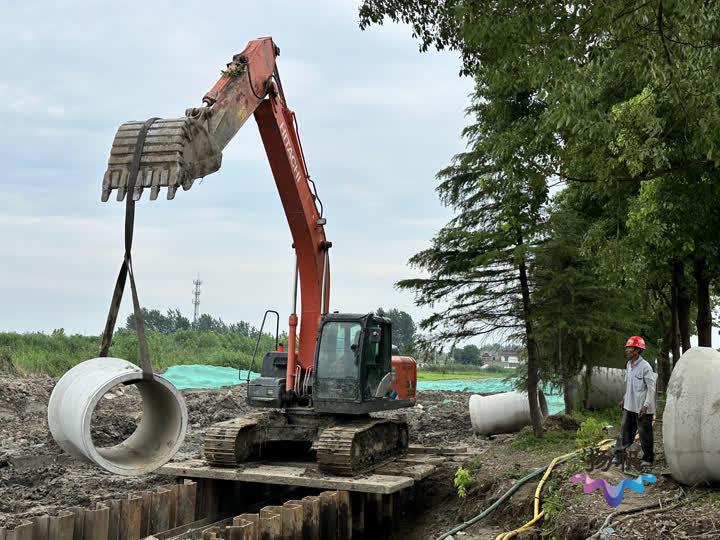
column 37, row 478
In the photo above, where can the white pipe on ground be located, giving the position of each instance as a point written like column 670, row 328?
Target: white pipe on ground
column 691, row 420
column 606, row 389
column 507, row 412
column 155, row 440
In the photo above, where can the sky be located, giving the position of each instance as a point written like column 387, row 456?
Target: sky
column 377, row 120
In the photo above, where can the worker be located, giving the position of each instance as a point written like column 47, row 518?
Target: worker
column 638, row 404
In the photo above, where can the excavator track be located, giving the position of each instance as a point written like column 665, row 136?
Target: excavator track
column 230, row 442
column 355, row 447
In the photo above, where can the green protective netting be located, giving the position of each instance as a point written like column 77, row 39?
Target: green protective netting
column 554, row 397
column 204, row 376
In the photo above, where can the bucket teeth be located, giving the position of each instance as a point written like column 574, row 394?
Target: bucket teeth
column 175, row 153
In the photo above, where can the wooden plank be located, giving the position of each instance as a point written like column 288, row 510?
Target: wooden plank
column 96, row 523
column 78, row 522
column 61, row 527
column 252, row 518
column 387, row 512
column 206, row 500
column 437, row 450
column 245, row 527
column 160, row 502
column 187, row 492
column 172, row 512
column 114, row 519
column 192, row 530
column 311, row 517
column 210, row 533
column 130, row 520
column 145, row 504
column 41, row 527
column 328, row 515
column 357, row 503
column 269, row 525
column 344, row 519
column 292, row 515
column 244, row 531
column 373, row 514
column 416, row 472
column 24, row 531
column 292, row 474
column 421, row 459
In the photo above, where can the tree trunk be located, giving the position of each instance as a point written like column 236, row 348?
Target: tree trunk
column 532, row 365
column 568, row 394
column 704, row 314
column 664, row 361
column 674, row 330
column 683, row 303
column 566, row 378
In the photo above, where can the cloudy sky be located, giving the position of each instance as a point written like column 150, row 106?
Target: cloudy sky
column 377, row 119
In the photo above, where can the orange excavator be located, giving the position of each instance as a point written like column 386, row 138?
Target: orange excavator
column 339, row 367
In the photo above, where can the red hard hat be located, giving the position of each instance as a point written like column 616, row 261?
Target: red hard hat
column 636, row 341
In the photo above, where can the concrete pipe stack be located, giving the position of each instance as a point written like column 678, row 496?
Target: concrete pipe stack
column 502, row 413
column 691, row 420
column 154, row 442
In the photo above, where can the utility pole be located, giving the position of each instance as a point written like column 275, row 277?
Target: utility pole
column 196, row 299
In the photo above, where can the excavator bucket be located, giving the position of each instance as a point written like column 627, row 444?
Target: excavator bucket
column 175, row 153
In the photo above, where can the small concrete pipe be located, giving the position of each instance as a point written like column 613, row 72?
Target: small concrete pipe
column 502, row 413
column 155, row 440
column 607, row 388
column 691, row 420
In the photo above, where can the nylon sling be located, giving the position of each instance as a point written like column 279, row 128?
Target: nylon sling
column 126, row 267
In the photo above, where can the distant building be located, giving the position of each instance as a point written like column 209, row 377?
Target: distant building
column 503, row 359
column 510, row 359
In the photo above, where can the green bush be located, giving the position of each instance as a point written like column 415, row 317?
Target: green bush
column 590, row 432
column 463, row 481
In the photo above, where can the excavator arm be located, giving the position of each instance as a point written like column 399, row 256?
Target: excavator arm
column 178, row 151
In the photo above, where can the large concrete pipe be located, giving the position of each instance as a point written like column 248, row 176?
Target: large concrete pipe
column 502, row 413
column 691, row 421
column 606, row 388
column 155, row 440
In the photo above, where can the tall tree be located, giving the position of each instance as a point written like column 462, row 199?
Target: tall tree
column 478, row 263
column 628, row 93
column 403, row 328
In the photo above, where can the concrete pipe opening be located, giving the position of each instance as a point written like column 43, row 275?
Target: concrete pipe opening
column 502, row 413
column 160, row 430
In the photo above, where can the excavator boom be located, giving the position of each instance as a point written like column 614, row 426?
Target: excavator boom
column 178, row 151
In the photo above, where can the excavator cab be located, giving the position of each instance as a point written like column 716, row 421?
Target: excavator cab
column 353, row 370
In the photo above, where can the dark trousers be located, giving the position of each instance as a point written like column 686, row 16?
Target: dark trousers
column 631, row 424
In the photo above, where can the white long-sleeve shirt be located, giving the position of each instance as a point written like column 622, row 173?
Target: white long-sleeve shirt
column 639, row 386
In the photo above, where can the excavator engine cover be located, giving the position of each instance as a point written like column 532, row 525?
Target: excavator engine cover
column 176, row 152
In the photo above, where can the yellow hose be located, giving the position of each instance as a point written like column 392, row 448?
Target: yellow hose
column 537, row 513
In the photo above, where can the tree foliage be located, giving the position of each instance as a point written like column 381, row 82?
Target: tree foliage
column 403, row 328
column 615, row 100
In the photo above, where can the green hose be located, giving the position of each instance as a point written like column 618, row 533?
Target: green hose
column 497, row 503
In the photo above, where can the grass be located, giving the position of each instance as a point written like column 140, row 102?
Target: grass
column 54, row 354
column 552, row 441
column 425, row 376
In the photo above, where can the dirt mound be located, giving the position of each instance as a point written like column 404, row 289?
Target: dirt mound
column 37, row 477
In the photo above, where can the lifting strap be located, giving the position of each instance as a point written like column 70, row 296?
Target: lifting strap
column 126, row 267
